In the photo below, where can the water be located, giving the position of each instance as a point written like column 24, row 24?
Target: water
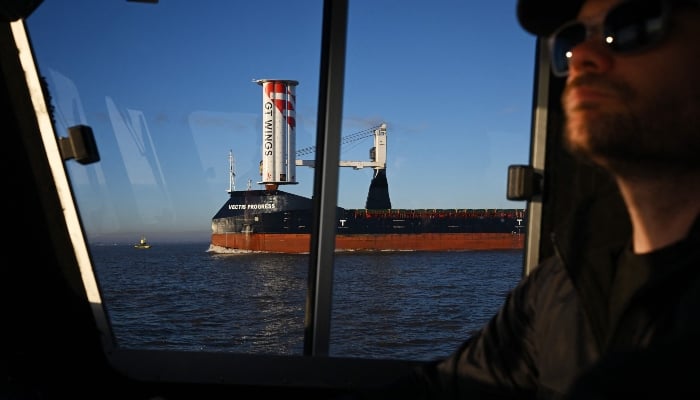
column 385, row 305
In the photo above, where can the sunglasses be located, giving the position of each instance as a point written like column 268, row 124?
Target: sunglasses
column 629, row 27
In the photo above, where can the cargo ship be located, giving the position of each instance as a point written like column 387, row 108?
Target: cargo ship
column 276, row 221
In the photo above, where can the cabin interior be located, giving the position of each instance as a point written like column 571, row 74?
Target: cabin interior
column 53, row 346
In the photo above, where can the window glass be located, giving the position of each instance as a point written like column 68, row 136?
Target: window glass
column 452, row 81
column 185, row 100
column 169, row 90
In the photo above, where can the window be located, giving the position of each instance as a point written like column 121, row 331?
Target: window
column 176, row 96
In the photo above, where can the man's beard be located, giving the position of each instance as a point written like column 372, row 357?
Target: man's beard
column 659, row 136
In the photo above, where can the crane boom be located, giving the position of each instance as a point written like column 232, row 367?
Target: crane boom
column 377, row 152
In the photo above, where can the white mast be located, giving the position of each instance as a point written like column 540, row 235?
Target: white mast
column 231, row 173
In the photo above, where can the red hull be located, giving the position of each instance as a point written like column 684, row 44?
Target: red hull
column 300, row 243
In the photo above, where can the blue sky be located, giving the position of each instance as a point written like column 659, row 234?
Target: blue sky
column 168, row 90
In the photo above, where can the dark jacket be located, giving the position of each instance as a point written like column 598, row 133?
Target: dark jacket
column 574, row 326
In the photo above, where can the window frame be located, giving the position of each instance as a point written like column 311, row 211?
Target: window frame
column 312, row 369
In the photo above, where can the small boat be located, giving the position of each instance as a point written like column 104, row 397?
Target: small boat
column 142, row 244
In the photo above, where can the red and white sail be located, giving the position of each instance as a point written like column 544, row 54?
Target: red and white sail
column 278, row 165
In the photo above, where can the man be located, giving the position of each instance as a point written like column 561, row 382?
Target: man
column 585, row 324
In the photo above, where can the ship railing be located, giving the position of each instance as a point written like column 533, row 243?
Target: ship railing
column 440, row 213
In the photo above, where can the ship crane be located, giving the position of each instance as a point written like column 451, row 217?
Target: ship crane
column 377, row 152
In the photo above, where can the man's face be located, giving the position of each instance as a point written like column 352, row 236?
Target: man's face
column 636, row 112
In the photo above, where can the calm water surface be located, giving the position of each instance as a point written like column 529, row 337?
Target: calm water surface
column 385, row 305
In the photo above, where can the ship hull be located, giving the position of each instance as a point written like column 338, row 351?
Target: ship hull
column 300, row 243
column 279, row 222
